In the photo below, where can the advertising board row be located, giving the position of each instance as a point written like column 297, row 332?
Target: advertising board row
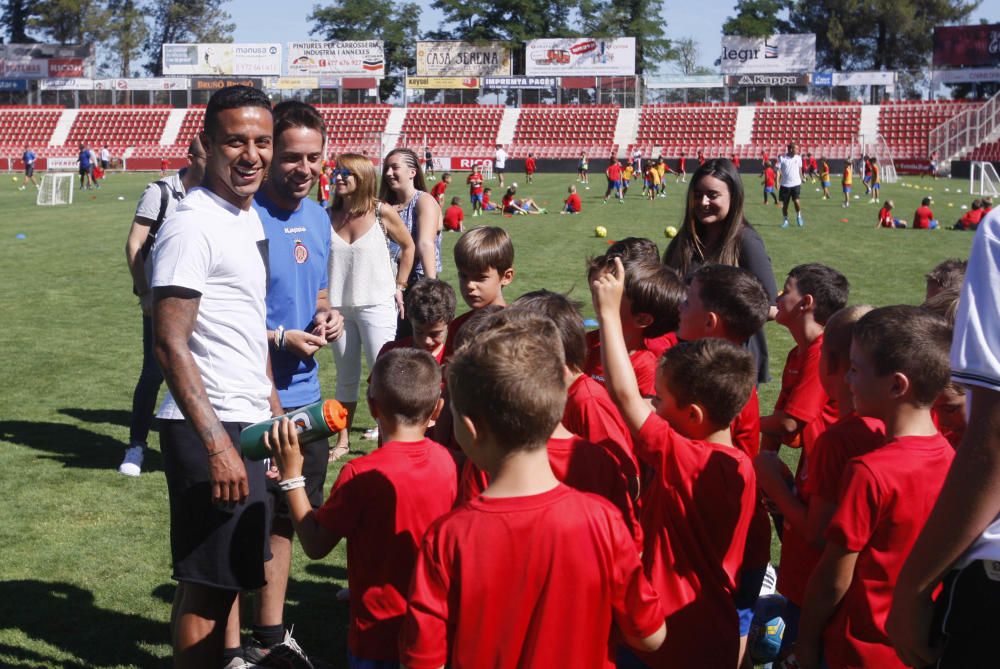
column 44, row 61
column 967, row 46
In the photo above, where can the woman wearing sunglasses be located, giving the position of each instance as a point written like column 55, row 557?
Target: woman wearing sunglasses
column 366, row 286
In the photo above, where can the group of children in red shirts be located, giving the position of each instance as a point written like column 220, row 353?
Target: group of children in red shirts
column 545, row 497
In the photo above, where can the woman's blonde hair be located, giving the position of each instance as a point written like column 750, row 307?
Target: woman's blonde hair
column 362, row 199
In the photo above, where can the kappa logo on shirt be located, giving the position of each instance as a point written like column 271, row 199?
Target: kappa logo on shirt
column 301, row 252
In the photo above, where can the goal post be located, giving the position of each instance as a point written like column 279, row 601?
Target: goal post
column 983, row 179
column 56, row 188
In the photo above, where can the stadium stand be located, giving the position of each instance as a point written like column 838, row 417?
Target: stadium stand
column 118, row 127
column 829, row 129
column 355, row 128
column 453, row 129
column 672, row 128
column 906, row 125
column 27, row 125
column 986, row 151
column 554, row 131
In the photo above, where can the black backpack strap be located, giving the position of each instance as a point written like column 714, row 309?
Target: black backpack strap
column 166, row 192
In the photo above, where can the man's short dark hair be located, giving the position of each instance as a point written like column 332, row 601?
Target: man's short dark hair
column 736, row 295
column 430, row 301
column 232, row 97
column 828, row 287
column 909, row 340
column 713, row 373
column 406, row 384
column 297, row 114
column 565, row 313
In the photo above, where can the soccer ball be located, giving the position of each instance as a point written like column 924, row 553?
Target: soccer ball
column 767, row 629
column 514, row 185
column 670, row 232
column 14, row 178
column 600, row 231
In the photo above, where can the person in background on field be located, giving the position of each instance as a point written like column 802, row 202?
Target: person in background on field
column 770, row 178
column 157, row 202
column 637, row 160
column 932, row 166
column 323, row 190
column 824, row 177
column 454, row 216
column 28, row 158
column 86, row 173
column 886, row 219
column 790, row 184
column 512, row 205
column 701, row 157
column 876, row 179
column 572, row 204
column 923, row 217
column 582, row 170
column 627, row 175
column 440, row 187
column 681, row 169
column 846, row 182
column 614, row 174
column 105, row 158
column 164, row 166
column 475, row 183
column 500, row 163
column 735, row 160
column 429, row 164
column 530, row 165
column 970, row 219
column 487, row 205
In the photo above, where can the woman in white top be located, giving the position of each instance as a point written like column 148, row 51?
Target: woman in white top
column 365, row 285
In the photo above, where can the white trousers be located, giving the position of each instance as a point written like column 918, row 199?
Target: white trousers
column 371, row 328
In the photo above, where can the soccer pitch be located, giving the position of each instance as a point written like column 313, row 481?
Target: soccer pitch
column 85, row 575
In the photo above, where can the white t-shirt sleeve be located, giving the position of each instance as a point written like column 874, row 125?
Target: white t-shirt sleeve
column 149, row 203
column 182, row 256
column 975, row 348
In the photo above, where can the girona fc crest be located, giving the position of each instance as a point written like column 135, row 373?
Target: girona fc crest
column 301, row 252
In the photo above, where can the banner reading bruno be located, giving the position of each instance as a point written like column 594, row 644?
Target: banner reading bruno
column 221, row 59
column 768, row 55
column 581, row 56
column 967, row 46
column 462, row 59
column 361, row 58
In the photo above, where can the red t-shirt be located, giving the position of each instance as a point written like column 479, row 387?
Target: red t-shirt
column 769, row 177
column 886, row 497
column 922, row 218
column 324, row 187
column 529, row 166
column 475, row 182
column 885, row 218
column 382, row 503
column 848, row 438
column 506, row 202
column 453, row 327
column 453, row 217
column 536, row 581
column 573, row 203
column 802, row 397
column 736, row 162
column 745, row 431
column 950, row 428
column 972, row 218
column 614, row 172
column 643, row 362
column 660, row 345
column 695, row 517
column 486, row 199
column 438, row 191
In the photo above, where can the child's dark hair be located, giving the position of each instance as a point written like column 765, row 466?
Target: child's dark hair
column 909, row 340
column 736, row 295
column 837, row 335
column 656, row 290
column 565, row 313
column 828, row 287
column 511, row 379
column 232, row 97
column 634, row 248
column 430, row 301
column 713, row 373
column 455, row 201
column 944, row 303
column 406, row 385
column 474, row 324
column 948, row 274
column 483, row 248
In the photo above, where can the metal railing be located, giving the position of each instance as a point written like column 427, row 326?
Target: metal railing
column 966, row 130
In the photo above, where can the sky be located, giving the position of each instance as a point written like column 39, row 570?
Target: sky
column 256, row 21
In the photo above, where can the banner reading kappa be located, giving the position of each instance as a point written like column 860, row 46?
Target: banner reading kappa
column 580, row 56
column 360, row 58
column 774, row 54
column 221, row 59
column 463, row 59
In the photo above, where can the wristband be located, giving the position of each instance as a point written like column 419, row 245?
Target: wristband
column 292, row 483
column 279, row 337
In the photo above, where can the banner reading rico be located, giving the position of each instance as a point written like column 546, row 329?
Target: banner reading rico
column 580, row 56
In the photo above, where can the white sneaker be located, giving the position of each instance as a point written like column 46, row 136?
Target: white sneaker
column 132, row 464
column 767, row 587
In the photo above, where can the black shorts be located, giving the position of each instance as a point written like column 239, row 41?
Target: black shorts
column 29, row 170
column 786, row 193
column 499, row 170
column 316, row 456
column 84, row 170
column 104, row 164
column 966, row 614
column 209, row 546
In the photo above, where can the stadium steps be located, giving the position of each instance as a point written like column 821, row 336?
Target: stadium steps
column 394, row 126
column 65, row 124
column 173, row 126
column 744, row 125
column 626, row 130
column 869, row 128
column 508, row 124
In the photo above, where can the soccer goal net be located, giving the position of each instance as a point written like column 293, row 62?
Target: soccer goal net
column 56, row 189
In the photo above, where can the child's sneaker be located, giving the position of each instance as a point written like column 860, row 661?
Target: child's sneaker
column 785, row 224
column 799, row 221
column 132, row 464
column 286, row 655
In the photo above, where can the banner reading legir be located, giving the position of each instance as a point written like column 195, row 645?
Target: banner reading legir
column 777, row 54
column 358, row 58
column 580, row 56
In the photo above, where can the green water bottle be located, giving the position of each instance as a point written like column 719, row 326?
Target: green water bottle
column 313, row 421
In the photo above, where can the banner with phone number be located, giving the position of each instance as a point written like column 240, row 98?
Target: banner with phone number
column 580, row 56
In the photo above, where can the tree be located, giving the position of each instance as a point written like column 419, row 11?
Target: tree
column 179, row 21
column 127, row 33
column 15, row 18
column 630, row 18
column 70, row 21
column 758, row 18
column 396, row 24
column 506, row 20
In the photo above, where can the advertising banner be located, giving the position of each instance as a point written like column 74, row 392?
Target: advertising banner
column 62, row 163
column 25, row 68
column 967, row 46
column 292, row 83
column 214, row 84
column 143, row 84
column 581, row 56
column 537, row 83
column 777, row 53
column 66, row 67
column 442, row 82
column 912, row 166
column 768, row 80
column 864, row 78
column 364, row 58
column 76, row 84
column 971, row 75
column 13, row 84
column 686, row 81
column 823, row 79
column 221, row 59
column 463, row 59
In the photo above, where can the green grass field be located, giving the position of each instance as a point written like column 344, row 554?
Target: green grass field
column 85, row 571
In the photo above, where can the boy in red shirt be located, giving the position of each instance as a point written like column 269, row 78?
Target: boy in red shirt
column 923, row 217
column 454, row 216
column 697, row 506
column 531, row 573
column 614, row 174
column 886, row 219
column 323, row 196
column 770, row 178
column 812, row 294
column 440, row 187
column 475, row 183
column 381, row 503
column 430, row 308
column 899, row 365
column 572, row 204
column 529, row 168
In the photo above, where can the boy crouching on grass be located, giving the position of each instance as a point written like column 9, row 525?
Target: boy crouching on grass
column 531, row 573
column 381, row 503
column 697, row 506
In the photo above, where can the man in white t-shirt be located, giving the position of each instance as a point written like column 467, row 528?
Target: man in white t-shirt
column 790, row 183
column 960, row 544
column 209, row 336
column 500, row 163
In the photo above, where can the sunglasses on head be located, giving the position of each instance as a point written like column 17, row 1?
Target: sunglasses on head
column 342, row 173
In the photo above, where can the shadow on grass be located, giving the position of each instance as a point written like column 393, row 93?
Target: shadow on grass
column 64, row 616
column 110, row 416
column 330, row 571
column 72, row 445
